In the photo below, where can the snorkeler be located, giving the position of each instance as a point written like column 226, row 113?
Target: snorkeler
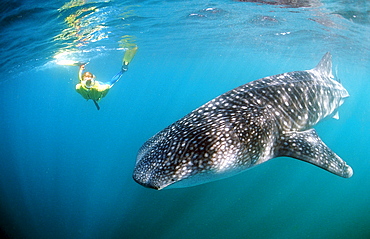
column 91, row 89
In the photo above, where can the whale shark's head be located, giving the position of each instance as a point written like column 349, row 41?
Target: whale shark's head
column 174, row 155
column 148, row 175
column 186, row 154
column 159, row 177
column 159, row 163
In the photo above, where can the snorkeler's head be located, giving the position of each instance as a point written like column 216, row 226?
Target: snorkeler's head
column 87, row 75
column 88, row 79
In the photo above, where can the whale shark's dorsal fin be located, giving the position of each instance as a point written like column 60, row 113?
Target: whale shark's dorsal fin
column 308, row 147
column 325, row 66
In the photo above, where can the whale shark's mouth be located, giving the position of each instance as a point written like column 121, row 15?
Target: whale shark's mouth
column 151, row 179
column 144, row 178
column 150, row 184
column 147, row 184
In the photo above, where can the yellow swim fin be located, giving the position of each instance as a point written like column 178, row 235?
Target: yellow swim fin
column 129, row 55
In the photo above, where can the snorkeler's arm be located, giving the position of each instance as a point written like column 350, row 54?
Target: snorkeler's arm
column 80, row 72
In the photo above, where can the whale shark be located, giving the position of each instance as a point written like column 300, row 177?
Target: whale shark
column 244, row 127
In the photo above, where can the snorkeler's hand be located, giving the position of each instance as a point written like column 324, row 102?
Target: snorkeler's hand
column 82, row 66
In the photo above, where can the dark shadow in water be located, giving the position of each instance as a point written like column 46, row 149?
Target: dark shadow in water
column 3, row 234
column 288, row 3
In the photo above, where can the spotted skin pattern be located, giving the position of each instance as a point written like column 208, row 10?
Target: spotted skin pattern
column 253, row 123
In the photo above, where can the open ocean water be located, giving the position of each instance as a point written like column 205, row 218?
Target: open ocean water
column 66, row 168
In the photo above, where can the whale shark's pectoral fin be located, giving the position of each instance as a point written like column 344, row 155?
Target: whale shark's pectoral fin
column 307, row 146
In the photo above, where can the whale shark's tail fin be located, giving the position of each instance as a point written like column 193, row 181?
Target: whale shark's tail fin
column 308, row 147
column 325, row 66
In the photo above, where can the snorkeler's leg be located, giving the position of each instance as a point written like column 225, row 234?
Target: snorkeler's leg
column 116, row 78
column 127, row 58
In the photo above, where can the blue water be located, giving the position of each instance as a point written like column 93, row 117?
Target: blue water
column 65, row 168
